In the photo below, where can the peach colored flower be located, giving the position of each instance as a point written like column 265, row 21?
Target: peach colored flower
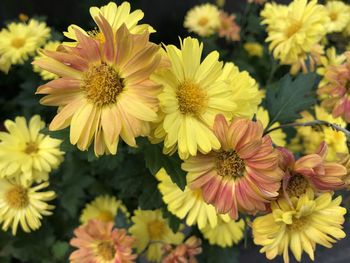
column 98, row 242
column 228, row 27
column 243, row 175
column 183, row 253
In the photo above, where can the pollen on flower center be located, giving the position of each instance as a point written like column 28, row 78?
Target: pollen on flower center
column 298, row 223
column 17, row 197
column 203, row 21
column 229, row 164
column 97, row 34
column 156, row 229
column 106, row 250
column 106, row 216
column 333, row 16
column 102, row 84
column 293, row 28
column 31, row 147
column 18, row 42
column 191, row 98
column 297, row 185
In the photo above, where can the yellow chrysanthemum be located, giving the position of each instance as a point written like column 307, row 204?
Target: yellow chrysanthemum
column 294, row 29
column 339, row 17
column 188, row 203
column 116, row 16
column 104, row 208
column 46, row 75
column 23, row 205
column 203, row 20
column 26, row 153
column 225, row 234
column 278, row 136
column 152, row 232
column 299, row 225
column 309, row 138
column 20, row 40
column 254, row 49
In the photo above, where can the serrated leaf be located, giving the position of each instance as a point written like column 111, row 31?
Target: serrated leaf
column 150, row 197
column 287, row 98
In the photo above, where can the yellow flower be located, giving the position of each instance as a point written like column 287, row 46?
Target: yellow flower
column 338, row 13
column 152, row 231
column 294, row 29
column 26, row 153
column 278, row 136
column 23, row 205
column 116, row 16
column 20, row 40
column 225, row 234
column 188, row 204
column 254, row 49
column 46, row 75
column 308, row 61
column 300, row 225
column 104, row 208
column 203, row 19
column 104, row 91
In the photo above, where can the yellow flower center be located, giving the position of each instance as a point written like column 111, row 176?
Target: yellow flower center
column 229, row 164
column 191, row 98
column 298, row 224
column 31, row 147
column 156, row 229
column 297, row 185
column 106, row 216
column 106, row 250
column 102, row 84
column 17, row 197
column 333, row 16
column 203, row 21
column 18, row 42
column 97, row 34
column 293, row 28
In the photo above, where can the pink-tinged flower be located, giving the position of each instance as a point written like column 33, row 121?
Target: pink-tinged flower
column 310, row 171
column 98, row 242
column 228, row 27
column 243, row 174
column 104, row 91
column 183, row 253
column 335, row 94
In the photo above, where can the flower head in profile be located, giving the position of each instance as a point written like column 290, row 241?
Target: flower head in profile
column 203, row 20
column 338, row 13
column 104, row 208
column 228, row 27
column 46, row 75
column 254, row 49
column 99, row 242
column 183, row 253
column 308, row 61
column 152, row 232
column 104, row 91
column 299, row 225
column 294, row 29
column 243, row 175
column 23, row 205
column 27, row 154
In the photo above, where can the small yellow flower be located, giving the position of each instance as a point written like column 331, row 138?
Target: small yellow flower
column 254, row 49
column 46, row 75
column 339, row 17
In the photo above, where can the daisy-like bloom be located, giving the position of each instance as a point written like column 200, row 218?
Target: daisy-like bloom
column 116, row 16
column 294, row 29
column 338, row 13
column 103, row 208
column 26, row 153
column 24, row 205
column 225, row 234
column 278, row 136
column 299, row 225
column 254, row 49
column 20, row 40
column 104, row 91
column 183, row 253
column 99, row 242
column 228, row 27
column 46, row 75
column 308, row 62
column 193, row 93
column 243, row 174
column 203, row 20
column 188, row 203
column 152, row 232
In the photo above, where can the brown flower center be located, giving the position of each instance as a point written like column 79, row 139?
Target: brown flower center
column 297, row 185
column 191, row 98
column 18, row 42
column 102, row 84
column 106, row 216
column 333, row 16
column 17, row 197
column 298, row 224
column 31, row 147
column 293, row 28
column 106, row 250
column 156, row 229
column 203, row 21
column 229, row 164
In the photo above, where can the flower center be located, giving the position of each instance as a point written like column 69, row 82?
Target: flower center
column 203, row 21
column 156, row 229
column 333, row 16
column 31, row 147
column 229, row 164
column 106, row 250
column 17, row 197
column 293, row 28
column 97, row 34
column 106, row 216
column 191, row 98
column 298, row 223
column 18, row 42
column 297, row 185
column 102, row 84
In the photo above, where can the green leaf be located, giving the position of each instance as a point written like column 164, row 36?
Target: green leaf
column 150, row 197
column 288, row 97
column 174, row 221
column 59, row 250
column 121, row 220
column 219, row 255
